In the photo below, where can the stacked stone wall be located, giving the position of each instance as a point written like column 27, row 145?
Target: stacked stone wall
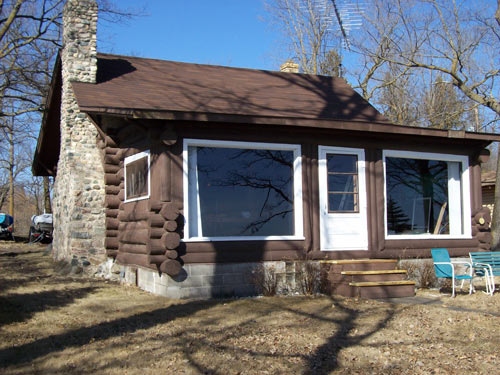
column 79, row 189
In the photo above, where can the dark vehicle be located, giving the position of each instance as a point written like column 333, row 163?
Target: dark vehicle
column 6, row 227
column 41, row 228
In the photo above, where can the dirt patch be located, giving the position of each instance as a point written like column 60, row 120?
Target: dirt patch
column 53, row 324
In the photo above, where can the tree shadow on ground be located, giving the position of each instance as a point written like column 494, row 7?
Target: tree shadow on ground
column 21, row 307
column 22, row 269
column 6, row 284
column 325, row 358
column 321, row 361
column 78, row 337
column 24, row 265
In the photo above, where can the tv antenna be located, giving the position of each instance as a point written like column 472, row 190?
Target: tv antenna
column 340, row 16
column 349, row 16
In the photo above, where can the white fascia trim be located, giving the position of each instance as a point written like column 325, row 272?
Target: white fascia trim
column 466, row 209
column 130, row 159
column 297, row 187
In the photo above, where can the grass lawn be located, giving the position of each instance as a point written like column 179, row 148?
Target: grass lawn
column 54, row 324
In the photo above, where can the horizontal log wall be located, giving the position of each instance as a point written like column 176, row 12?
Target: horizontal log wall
column 310, row 139
column 141, row 232
column 158, row 217
column 111, row 163
column 481, row 221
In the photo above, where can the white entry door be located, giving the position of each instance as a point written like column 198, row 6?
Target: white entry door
column 342, row 198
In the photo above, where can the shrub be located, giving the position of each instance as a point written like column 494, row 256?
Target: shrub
column 308, row 277
column 265, row 280
column 428, row 277
column 420, row 271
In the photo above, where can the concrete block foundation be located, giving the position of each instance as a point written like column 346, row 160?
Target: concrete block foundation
column 214, row 280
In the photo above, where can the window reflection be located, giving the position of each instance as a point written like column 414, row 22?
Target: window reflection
column 342, row 183
column 242, row 192
column 136, row 174
column 417, row 195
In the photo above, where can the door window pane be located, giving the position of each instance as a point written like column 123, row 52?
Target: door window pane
column 342, row 202
column 342, row 163
column 343, row 191
column 342, row 183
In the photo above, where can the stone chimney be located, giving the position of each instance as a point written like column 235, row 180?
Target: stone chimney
column 78, row 205
column 79, row 52
column 289, row 66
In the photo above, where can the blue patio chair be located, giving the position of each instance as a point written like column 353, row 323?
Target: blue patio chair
column 445, row 268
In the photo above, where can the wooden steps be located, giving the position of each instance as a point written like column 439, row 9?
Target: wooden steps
column 367, row 278
column 380, row 272
column 359, row 261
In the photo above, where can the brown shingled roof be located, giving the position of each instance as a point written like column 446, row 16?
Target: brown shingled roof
column 127, row 84
column 157, row 89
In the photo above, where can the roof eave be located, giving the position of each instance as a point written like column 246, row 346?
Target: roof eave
column 38, row 168
column 341, row 124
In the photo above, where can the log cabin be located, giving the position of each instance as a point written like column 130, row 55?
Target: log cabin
column 190, row 176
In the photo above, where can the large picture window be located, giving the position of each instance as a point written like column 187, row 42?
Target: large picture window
column 427, row 195
column 137, row 176
column 240, row 190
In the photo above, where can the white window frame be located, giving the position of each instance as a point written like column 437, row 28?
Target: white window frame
column 190, row 214
column 465, row 193
column 131, row 159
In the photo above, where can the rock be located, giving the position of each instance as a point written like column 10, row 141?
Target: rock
column 115, row 269
column 76, row 270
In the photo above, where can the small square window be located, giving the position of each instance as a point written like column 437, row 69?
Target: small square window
column 137, row 176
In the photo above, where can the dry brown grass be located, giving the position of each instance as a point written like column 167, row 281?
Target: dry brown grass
column 52, row 324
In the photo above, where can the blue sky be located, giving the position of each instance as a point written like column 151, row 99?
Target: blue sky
column 219, row 32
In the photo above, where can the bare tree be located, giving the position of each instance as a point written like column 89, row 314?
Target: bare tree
column 15, row 152
column 452, row 38
column 314, row 39
column 443, row 107
column 30, row 32
column 459, row 40
column 396, row 37
column 47, row 204
column 308, row 34
column 456, row 40
column 397, row 97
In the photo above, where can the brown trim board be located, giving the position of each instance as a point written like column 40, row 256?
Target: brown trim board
column 354, row 126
